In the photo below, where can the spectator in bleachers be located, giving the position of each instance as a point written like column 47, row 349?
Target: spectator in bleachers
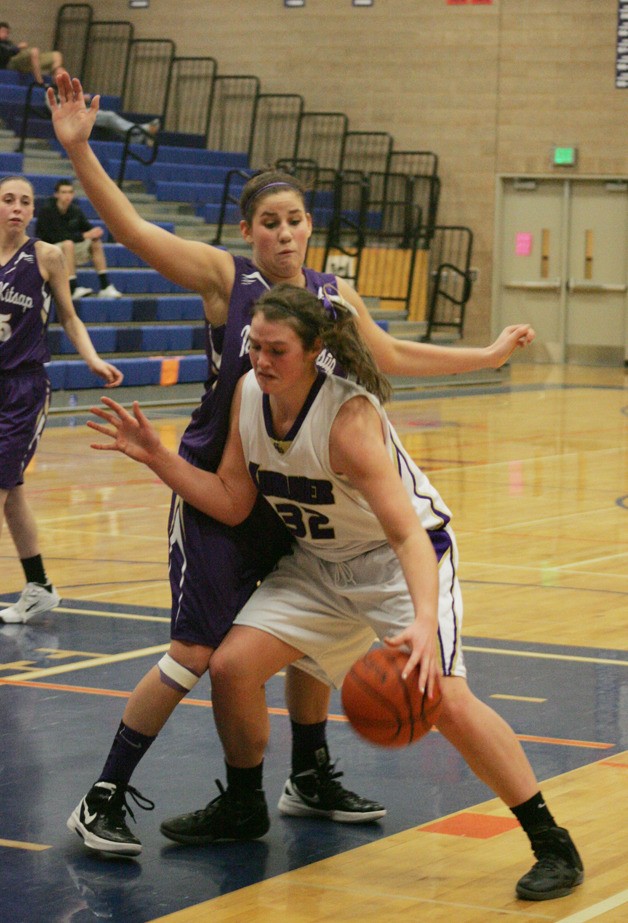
column 25, row 58
column 142, row 132
column 61, row 221
column 32, row 273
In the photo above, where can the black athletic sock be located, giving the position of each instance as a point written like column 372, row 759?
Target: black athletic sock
column 72, row 284
column 127, row 750
column 34, row 571
column 103, row 280
column 249, row 779
column 534, row 815
column 309, row 746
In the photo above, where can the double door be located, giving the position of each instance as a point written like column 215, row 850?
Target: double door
column 561, row 264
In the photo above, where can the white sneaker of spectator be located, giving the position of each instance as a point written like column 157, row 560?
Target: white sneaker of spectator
column 110, row 291
column 81, row 291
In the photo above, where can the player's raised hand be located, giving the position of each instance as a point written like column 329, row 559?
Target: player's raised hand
column 71, row 118
column 131, row 434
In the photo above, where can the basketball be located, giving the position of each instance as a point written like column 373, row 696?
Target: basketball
column 384, row 708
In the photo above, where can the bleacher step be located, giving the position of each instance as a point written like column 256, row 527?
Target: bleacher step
column 409, row 389
column 188, row 394
column 47, row 166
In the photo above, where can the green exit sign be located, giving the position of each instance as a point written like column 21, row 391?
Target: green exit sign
column 565, row 156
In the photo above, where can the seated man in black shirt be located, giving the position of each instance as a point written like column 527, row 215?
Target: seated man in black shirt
column 61, row 221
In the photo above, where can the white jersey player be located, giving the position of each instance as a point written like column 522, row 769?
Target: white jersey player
column 374, row 554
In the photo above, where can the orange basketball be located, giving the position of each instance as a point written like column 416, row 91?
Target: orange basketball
column 383, row 707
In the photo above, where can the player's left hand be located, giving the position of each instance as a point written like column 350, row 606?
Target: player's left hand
column 420, row 639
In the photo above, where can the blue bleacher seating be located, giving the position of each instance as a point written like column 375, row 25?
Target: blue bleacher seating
column 103, row 338
column 105, row 310
column 73, row 375
column 210, row 212
column 43, row 184
column 145, row 309
column 193, row 368
column 198, row 337
column 11, row 162
column 130, row 281
column 166, row 339
column 231, row 159
column 198, row 193
column 16, row 93
column 119, row 257
column 12, row 78
column 171, row 308
column 155, row 321
column 129, row 340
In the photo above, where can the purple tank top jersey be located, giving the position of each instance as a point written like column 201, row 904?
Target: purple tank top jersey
column 228, row 358
column 25, row 303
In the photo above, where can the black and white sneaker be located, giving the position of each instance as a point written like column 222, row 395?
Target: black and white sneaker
column 558, row 869
column 34, row 600
column 99, row 818
column 232, row 815
column 318, row 793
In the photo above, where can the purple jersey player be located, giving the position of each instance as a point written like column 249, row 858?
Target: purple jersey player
column 213, row 567
column 31, row 274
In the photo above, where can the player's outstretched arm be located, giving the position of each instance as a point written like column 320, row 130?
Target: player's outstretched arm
column 406, row 357
column 227, row 496
column 194, row 265
column 54, row 270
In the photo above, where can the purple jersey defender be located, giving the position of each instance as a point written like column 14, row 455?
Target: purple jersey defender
column 25, row 302
column 214, row 568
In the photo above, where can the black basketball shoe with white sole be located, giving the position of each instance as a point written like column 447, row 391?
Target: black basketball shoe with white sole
column 233, row 815
column 558, row 868
column 318, row 793
column 100, row 818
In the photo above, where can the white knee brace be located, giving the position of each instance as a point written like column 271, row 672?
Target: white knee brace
column 175, row 675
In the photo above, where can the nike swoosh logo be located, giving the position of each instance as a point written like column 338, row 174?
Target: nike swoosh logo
column 130, row 742
column 87, row 817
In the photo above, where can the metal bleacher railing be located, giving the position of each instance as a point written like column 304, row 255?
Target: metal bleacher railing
column 71, row 31
column 190, row 96
column 274, row 127
column 368, row 201
column 147, row 75
column 450, row 280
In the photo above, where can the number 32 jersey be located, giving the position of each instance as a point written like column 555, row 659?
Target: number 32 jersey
column 319, row 507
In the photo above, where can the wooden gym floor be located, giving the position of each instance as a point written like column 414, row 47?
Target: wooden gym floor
column 536, row 474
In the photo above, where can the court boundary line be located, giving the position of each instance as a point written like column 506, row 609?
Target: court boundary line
column 22, row 844
column 283, row 712
column 596, row 910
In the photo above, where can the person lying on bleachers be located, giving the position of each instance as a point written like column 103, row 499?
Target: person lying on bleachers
column 26, row 59
column 142, row 133
column 61, row 221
